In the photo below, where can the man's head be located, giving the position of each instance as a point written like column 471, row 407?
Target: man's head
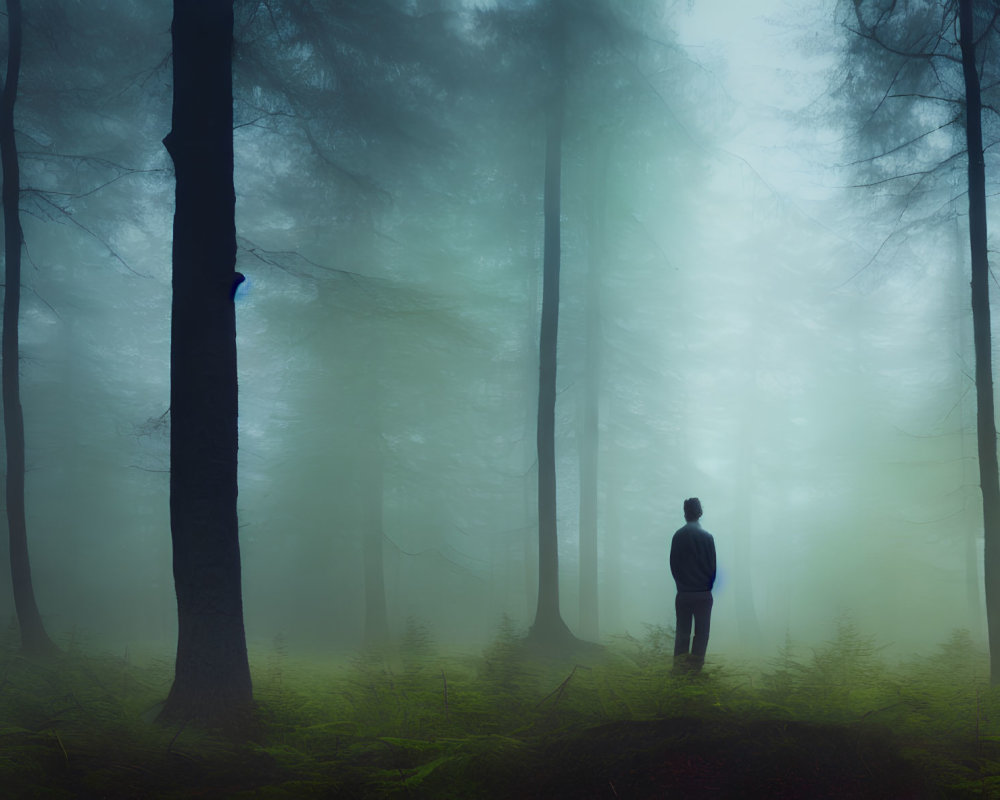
column 692, row 509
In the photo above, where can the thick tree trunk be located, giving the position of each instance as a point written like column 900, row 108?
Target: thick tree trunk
column 212, row 679
column 34, row 640
column 989, row 477
column 549, row 626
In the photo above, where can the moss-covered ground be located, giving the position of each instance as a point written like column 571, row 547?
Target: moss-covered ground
column 834, row 721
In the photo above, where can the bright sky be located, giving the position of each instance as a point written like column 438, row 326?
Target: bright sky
column 758, row 51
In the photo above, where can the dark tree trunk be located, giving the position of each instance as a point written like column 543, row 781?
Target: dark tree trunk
column 989, row 477
column 34, row 640
column 549, row 627
column 212, row 679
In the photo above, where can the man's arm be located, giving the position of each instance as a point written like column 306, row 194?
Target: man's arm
column 711, row 559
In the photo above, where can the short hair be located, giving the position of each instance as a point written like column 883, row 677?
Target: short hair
column 692, row 509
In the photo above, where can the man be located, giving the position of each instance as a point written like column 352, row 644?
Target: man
column 692, row 563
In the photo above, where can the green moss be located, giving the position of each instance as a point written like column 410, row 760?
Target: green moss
column 414, row 721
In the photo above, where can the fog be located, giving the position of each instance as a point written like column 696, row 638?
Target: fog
column 768, row 339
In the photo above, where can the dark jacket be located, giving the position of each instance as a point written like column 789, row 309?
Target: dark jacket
column 692, row 559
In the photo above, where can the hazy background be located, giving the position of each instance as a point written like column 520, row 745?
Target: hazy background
column 765, row 345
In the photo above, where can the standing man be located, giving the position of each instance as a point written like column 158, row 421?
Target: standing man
column 692, row 563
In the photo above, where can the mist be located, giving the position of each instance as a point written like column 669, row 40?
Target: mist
column 765, row 341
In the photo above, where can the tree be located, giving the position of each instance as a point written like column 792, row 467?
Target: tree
column 588, row 55
column 212, row 679
column 615, row 56
column 549, row 626
column 34, row 640
column 590, row 427
column 370, row 476
column 357, row 86
column 923, row 80
column 989, row 479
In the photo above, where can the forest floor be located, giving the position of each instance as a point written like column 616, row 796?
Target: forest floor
column 413, row 722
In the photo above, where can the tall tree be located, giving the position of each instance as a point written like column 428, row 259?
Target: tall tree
column 549, row 626
column 34, row 640
column 590, row 427
column 359, row 82
column 212, row 679
column 370, row 475
column 922, row 67
column 592, row 56
column 989, row 478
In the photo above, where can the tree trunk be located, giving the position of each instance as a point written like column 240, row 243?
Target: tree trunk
column 371, row 456
column 989, row 479
column 212, row 679
column 589, row 434
column 35, row 641
column 611, row 550
column 746, row 613
column 968, row 514
column 371, row 494
column 549, row 627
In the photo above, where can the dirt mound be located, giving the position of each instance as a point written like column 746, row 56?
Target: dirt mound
column 691, row 759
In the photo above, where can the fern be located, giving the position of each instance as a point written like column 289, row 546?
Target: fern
column 413, row 720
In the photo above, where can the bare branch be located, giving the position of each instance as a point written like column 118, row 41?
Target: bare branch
column 918, row 96
column 94, row 190
column 70, row 218
column 917, row 55
column 904, row 145
column 280, row 259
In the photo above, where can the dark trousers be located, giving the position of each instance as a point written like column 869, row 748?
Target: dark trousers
column 693, row 607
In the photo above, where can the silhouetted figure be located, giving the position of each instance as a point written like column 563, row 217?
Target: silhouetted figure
column 692, row 563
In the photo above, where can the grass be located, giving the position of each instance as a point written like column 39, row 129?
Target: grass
column 412, row 721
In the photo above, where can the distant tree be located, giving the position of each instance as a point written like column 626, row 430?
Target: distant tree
column 369, row 462
column 212, row 679
column 376, row 629
column 916, row 74
column 532, row 40
column 586, row 54
column 357, row 85
column 590, row 427
column 549, row 626
column 34, row 640
column 612, row 47
column 989, row 477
